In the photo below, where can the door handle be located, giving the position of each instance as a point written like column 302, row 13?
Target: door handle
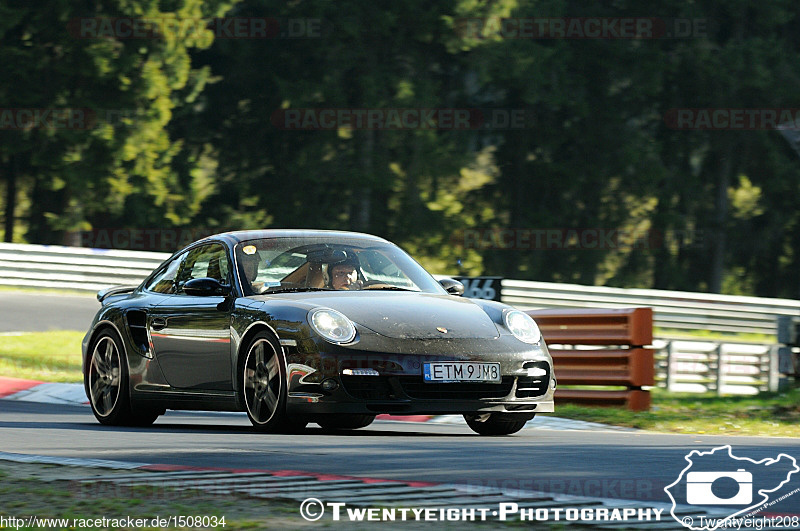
column 158, row 323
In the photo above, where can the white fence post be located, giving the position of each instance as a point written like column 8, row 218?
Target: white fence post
column 668, row 369
column 774, row 373
column 720, row 368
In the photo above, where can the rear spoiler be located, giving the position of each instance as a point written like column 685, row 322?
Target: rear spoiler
column 114, row 290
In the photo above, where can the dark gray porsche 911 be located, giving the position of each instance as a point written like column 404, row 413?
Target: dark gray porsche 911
column 296, row 326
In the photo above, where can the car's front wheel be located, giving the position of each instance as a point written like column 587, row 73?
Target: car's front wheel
column 107, row 381
column 345, row 422
column 497, row 423
column 264, row 386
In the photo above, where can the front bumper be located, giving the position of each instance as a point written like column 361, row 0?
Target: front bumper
column 399, row 388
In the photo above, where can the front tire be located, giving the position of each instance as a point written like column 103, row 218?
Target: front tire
column 106, row 379
column 345, row 422
column 496, row 423
column 263, row 378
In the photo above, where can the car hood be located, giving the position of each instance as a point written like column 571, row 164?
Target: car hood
column 409, row 315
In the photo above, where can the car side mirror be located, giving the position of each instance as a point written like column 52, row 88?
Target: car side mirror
column 452, row 286
column 205, row 287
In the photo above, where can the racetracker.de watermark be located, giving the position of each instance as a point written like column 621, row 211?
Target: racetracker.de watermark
column 75, row 119
column 174, row 489
column 180, row 28
column 604, row 487
column 313, row 509
column 401, row 119
column 582, row 28
column 140, row 239
column 733, row 119
column 113, row 522
column 573, row 239
column 27, row 119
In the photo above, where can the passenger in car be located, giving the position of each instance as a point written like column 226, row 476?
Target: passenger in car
column 250, row 264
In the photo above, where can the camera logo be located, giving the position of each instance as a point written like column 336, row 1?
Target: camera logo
column 699, row 488
column 740, row 485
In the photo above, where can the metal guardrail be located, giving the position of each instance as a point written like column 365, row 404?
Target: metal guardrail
column 76, row 268
column 721, row 368
column 85, row 269
column 671, row 309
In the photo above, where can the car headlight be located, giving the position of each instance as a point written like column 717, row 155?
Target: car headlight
column 522, row 326
column 332, row 325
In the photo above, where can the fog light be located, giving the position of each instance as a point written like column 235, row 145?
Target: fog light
column 360, row 372
column 330, row 384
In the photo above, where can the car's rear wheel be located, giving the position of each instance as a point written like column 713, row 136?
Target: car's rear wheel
column 496, row 423
column 345, row 422
column 107, row 381
column 264, row 386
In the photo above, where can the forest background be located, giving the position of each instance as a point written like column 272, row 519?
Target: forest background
column 661, row 158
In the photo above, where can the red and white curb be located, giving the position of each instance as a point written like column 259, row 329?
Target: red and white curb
column 74, row 394
column 36, row 391
column 11, row 386
column 70, row 461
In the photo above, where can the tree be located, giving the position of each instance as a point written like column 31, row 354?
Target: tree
column 407, row 184
column 72, row 58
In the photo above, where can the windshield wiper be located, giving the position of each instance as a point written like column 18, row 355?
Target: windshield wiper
column 295, row 290
column 389, row 288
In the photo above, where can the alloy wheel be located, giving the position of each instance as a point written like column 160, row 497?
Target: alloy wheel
column 104, row 376
column 262, row 381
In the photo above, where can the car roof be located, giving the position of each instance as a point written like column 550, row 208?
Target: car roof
column 234, row 237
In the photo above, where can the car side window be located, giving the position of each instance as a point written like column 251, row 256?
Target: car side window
column 204, row 261
column 164, row 281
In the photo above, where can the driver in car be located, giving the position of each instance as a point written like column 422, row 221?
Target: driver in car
column 344, row 275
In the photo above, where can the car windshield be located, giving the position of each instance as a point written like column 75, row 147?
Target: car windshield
column 292, row 264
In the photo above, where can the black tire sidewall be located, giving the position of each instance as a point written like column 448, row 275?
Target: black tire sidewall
column 121, row 412
column 278, row 420
column 496, row 425
column 345, row 422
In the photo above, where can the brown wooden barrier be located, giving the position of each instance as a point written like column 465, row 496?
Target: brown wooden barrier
column 630, row 365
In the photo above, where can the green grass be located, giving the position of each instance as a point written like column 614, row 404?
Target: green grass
column 46, row 356
column 773, row 414
column 50, row 291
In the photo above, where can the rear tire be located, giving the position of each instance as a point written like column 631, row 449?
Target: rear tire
column 106, row 379
column 345, row 422
column 497, row 423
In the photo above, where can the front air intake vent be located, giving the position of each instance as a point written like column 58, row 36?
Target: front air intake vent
column 535, row 384
column 137, row 326
column 415, row 387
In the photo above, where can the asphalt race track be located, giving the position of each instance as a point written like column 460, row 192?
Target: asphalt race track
column 596, row 464
column 40, row 311
column 607, row 464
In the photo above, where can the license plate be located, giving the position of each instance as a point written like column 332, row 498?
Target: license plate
column 461, row 371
